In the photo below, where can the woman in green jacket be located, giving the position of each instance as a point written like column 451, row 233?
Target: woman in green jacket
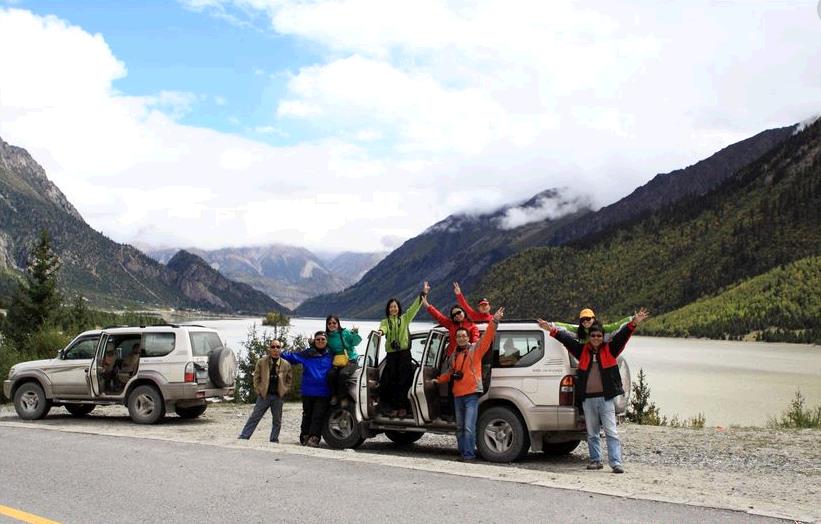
column 342, row 344
column 398, row 372
column 586, row 319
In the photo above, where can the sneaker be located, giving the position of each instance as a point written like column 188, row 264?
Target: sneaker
column 313, row 442
column 303, row 440
column 595, row 465
column 274, row 441
column 243, row 438
column 618, row 469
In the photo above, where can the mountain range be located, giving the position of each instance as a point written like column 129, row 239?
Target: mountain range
column 288, row 274
column 464, row 248
column 107, row 273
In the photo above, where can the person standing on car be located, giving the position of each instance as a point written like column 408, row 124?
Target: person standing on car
column 586, row 319
column 316, row 362
column 398, row 372
column 598, row 382
column 272, row 380
column 483, row 315
column 342, row 346
column 465, row 370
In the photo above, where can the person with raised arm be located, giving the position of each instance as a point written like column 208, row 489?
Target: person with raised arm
column 586, row 319
column 598, row 382
column 465, row 370
column 342, row 344
column 316, row 361
column 458, row 319
column 398, row 372
column 483, row 315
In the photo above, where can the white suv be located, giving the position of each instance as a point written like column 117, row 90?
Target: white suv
column 149, row 369
column 529, row 381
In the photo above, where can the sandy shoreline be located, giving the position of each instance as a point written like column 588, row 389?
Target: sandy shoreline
column 755, row 470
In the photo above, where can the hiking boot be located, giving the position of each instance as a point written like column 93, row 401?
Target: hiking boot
column 595, row 465
column 313, row 442
column 618, row 469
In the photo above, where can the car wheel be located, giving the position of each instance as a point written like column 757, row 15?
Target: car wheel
column 191, row 411
column 340, row 429
column 30, row 401
column 146, row 405
column 404, row 438
column 79, row 410
column 501, row 435
column 559, row 448
column 222, row 367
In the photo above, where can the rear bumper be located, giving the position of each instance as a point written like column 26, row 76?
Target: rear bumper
column 7, row 388
column 191, row 391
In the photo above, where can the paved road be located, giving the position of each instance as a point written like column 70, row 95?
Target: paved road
column 71, row 477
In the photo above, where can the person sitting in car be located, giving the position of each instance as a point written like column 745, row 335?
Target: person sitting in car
column 510, row 355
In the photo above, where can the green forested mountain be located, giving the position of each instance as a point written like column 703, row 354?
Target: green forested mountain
column 765, row 215
column 782, row 304
column 105, row 272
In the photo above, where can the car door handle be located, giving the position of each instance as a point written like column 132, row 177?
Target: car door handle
column 85, row 370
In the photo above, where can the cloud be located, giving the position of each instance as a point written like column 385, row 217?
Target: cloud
column 543, row 208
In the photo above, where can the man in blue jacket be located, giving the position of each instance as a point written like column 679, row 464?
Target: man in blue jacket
column 316, row 362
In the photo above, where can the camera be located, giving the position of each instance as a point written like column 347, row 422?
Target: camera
column 457, row 375
column 395, row 345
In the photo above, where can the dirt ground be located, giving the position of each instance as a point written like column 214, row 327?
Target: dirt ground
column 756, row 470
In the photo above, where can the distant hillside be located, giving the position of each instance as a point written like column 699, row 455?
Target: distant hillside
column 459, row 248
column 782, row 304
column 204, row 287
column 464, row 248
column 288, row 274
column 105, row 272
column 767, row 214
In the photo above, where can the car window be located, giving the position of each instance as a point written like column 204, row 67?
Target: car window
column 81, row 349
column 204, row 342
column 437, row 342
column 417, row 346
column 518, row 349
column 158, row 344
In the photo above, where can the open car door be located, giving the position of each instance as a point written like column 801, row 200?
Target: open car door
column 428, row 396
column 368, row 379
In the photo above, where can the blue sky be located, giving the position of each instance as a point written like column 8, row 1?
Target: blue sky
column 357, row 124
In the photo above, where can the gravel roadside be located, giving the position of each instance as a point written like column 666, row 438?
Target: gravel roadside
column 756, row 470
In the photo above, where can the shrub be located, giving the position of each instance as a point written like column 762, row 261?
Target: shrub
column 797, row 415
column 641, row 410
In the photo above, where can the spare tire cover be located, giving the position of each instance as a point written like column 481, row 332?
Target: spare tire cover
column 222, row 367
column 626, row 384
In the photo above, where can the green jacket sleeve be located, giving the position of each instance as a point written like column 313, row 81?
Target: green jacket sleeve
column 410, row 314
column 569, row 327
column 351, row 341
column 613, row 326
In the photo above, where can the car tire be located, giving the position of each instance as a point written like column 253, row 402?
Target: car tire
column 560, row 448
column 79, row 410
column 222, row 367
column 404, row 438
column 191, row 411
column 30, row 401
column 501, row 435
column 340, row 428
column 146, row 405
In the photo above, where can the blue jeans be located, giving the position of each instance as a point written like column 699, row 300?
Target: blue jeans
column 467, row 410
column 599, row 412
column 264, row 403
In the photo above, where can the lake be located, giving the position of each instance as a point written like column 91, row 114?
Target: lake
column 741, row 383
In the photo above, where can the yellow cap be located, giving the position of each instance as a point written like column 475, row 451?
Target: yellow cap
column 587, row 313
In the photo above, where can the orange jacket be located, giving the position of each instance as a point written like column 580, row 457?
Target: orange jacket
column 469, row 362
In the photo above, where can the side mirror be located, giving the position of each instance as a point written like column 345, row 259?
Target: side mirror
column 61, row 354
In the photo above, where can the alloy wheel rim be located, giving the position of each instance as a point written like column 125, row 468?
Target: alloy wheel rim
column 144, row 405
column 30, row 400
column 498, row 435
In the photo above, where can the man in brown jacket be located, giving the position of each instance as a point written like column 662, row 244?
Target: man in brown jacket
column 272, row 379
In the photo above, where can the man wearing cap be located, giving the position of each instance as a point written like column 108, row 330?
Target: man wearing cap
column 272, row 380
column 483, row 315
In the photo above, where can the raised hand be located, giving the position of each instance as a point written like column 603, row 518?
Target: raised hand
column 425, row 302
column 544, row 324
column 499, row 314
column 355, row 329
column 456, row 289
column 641, row 316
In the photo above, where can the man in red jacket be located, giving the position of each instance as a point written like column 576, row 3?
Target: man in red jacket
column 483, row 315
column 598, row 382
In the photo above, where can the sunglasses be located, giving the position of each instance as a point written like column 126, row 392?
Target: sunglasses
column 585, row 319
column 457, row 313
column 321, row 339
column 596, row 335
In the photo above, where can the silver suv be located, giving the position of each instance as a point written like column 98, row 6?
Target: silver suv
column 149, row 369
column 529, row 380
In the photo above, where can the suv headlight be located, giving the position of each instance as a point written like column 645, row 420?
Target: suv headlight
column 11, row 372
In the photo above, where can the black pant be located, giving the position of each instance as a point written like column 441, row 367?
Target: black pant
column 338, row 379
column 313, row 411
column 396, row 380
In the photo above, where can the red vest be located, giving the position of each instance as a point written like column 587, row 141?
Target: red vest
column 605, row 358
